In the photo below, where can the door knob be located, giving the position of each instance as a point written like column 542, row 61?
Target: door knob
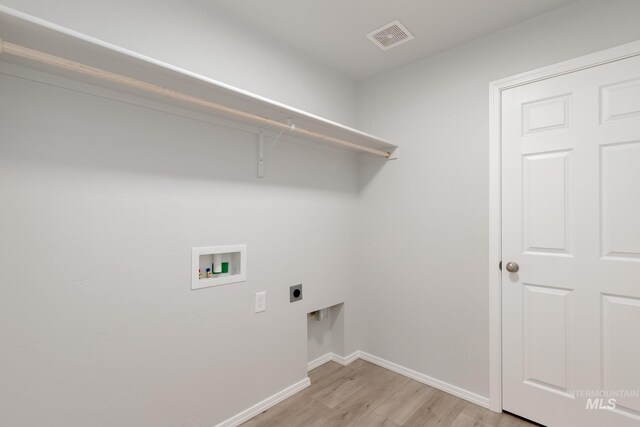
column 513, row 267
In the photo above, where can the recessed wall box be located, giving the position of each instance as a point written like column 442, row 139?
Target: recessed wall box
column 295, row 293
column 203, row 258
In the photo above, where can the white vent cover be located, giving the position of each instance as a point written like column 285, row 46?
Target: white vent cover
column 390, row 35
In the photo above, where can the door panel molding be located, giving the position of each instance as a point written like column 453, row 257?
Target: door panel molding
column 618, row 238
column 551, row 306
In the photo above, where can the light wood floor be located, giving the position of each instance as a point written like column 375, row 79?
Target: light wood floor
column 365, row 395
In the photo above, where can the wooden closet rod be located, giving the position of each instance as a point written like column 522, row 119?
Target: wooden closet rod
column 55, row 61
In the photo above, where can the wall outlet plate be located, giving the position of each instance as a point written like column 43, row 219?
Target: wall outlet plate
column 295, row 293
column 261, row 301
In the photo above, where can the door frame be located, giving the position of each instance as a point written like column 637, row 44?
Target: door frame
column 495, row 191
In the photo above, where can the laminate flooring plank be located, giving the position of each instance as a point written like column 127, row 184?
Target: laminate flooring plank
column 365, row 395
column 326, row 376
column 324, row 370
column 508, row 420
column 375, row 420
column 406, row 402
column 440, row 410
column 347, row 385
column 364, row 401
column 474, row 415
column 321, row 377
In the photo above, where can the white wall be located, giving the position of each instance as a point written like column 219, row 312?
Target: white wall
column 198, row 37
column 102, row 201
column 423, row 220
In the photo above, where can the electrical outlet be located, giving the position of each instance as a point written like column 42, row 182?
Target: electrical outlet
column 295, row 293
column 261, row 301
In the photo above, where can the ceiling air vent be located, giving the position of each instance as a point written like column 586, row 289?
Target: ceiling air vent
column 390, row 35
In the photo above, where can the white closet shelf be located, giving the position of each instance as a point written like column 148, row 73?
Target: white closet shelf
column 33, row 43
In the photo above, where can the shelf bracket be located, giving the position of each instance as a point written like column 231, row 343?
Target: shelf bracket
column 275, row 140
column 291, row 127
column 261, row 153
column 261, row 150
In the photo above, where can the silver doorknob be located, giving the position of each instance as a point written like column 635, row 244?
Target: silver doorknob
column 513, row 267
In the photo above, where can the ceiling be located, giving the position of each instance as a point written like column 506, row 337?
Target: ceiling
column 333, row 31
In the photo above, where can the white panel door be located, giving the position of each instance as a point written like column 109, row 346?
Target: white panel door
column 571, row 221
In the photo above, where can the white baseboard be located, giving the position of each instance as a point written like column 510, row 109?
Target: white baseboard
column 247, row 414
column 345, row 360
column 425, row 379
column 320, row 361
column 332, row 357
column 350, row 358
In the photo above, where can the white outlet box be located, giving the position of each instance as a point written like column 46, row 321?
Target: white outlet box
column 261, row 301
column 201, row 258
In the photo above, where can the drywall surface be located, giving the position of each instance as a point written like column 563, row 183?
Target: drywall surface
column 198, row 37
column 102, row 201
column 423, row 219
